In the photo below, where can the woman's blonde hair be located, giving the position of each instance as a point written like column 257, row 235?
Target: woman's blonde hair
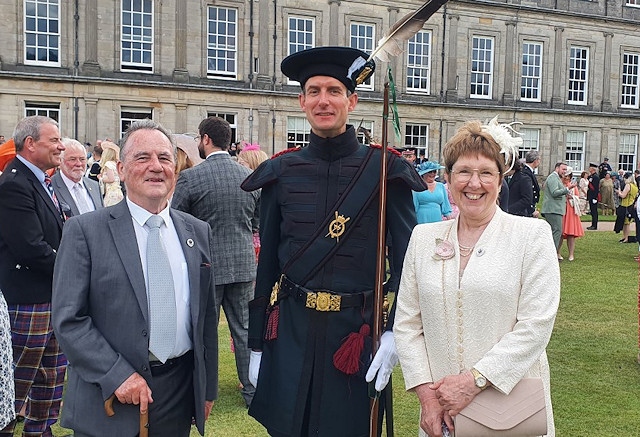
column 108, row 154
column 183, row 161
column 253, row 158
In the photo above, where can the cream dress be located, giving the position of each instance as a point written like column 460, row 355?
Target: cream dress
column 112, row 190
column 496, row 316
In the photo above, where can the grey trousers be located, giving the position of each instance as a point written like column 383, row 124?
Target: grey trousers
column 555, row 221
column 234, row 299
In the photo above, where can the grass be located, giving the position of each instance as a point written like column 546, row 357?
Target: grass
column 595, row 376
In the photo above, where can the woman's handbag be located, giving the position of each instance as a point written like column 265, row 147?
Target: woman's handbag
column 521, row 413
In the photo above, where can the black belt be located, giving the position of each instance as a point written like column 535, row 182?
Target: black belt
column 321, row 300
column 159, row 368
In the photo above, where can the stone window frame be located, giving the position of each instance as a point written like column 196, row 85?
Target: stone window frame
column 425, row 73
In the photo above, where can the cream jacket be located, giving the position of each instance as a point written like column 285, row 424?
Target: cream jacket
column 496, row 316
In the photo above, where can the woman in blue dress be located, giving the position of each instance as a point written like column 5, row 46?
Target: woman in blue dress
column 433, row 204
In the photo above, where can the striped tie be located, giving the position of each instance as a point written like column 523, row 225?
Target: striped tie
column 47, row 182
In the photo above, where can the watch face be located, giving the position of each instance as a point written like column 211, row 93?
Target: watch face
column 481, row 381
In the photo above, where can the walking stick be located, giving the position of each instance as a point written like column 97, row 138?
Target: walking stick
column 378, row 294
column 144, row 417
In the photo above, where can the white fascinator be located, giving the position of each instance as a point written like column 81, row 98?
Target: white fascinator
column 507, row 138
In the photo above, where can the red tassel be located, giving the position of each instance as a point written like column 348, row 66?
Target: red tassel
column 272, row 323
column 347, row 357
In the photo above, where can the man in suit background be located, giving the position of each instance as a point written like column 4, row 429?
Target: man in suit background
column 532, row 162
column 211, row 192
column 593, row 190
column 554, row 202
column 77, row 194
column 106, row 307
column 30, row 230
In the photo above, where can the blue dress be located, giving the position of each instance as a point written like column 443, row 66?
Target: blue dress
column 431, row 206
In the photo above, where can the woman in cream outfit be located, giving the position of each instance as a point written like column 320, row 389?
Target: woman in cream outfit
column 479, row 292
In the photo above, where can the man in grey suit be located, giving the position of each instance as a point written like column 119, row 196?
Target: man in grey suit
column 106, row 305
column 211, row 192
column 77, row 194
column 554, row 202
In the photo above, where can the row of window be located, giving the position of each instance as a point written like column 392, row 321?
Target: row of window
column 415, row 135
column 42, row 47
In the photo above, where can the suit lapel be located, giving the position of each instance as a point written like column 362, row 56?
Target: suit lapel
column 63, row 194
column 95, row 195
column 191, row 252
column 124, row 237
column 37, row 186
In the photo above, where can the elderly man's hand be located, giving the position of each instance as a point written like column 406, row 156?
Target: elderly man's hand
column 134, row 390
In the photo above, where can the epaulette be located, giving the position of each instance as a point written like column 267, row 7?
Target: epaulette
column 285, row 151
column 389, row 149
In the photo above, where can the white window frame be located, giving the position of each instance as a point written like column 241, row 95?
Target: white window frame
column 229, row 117
column 531, row 71
column 298, row 40
column 633, row 3
column 530, row 141
column 578, row 75
column 363, row 39
column 222, row 48
column 46, row 109
column 130, row 115
column 481, row 77
column 419, row 139
column 628, row 150
column 574, row 149
column 419, row 63
column 629, row 78
column 42, row 32
column 298, row 132
column 365, row 124
column 139, row 41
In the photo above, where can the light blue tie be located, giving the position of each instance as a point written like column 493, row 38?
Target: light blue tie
column 162, row 304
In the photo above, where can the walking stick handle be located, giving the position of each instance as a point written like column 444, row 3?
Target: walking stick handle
column 144, row 416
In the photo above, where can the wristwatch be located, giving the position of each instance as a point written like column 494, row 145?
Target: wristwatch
column 481, row 381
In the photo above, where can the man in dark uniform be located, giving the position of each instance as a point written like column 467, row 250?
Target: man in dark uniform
column 318, row 222
column 593, row 190
column 532, row 161
column 604, row 168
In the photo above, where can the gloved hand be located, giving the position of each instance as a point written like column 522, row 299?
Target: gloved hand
column 254, row 367
column 383, row 363
column 594, row 201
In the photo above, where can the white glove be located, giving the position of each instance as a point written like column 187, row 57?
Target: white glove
column 594, row 201
column 254, row 367
column 383, row 363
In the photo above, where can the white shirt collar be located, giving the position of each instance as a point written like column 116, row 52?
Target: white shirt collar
column 69, row 183
column 218, row 152
column 141, row 215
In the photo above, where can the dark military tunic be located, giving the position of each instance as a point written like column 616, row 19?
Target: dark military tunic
column 300, row 392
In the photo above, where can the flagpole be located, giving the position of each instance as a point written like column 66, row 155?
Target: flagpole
column 378, row 293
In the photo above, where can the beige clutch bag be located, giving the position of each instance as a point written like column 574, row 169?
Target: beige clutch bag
column 521, row 413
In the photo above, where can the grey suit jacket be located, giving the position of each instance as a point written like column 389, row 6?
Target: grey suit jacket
column 211, row 192
column 65, row 197
column 100, row 316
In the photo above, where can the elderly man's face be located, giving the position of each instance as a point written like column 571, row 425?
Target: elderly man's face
column 147, row 169
column 74, row 163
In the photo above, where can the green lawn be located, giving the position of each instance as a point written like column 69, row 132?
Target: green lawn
column 593, row 353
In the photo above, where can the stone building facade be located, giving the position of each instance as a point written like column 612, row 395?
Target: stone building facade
column 567, row 69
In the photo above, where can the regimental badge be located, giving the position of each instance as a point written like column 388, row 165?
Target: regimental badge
column 337, row 226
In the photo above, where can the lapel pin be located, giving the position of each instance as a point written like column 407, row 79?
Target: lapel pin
column 190, row 242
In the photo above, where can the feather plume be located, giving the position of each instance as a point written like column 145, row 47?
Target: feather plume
column 392, row 44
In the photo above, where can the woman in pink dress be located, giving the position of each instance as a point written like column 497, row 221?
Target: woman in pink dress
column 571, row 225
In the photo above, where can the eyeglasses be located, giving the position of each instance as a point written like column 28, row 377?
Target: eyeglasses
column 197, row 138
column 486, row 176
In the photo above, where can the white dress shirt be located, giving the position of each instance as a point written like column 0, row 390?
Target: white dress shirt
column 74, row 193
column 179, row 270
